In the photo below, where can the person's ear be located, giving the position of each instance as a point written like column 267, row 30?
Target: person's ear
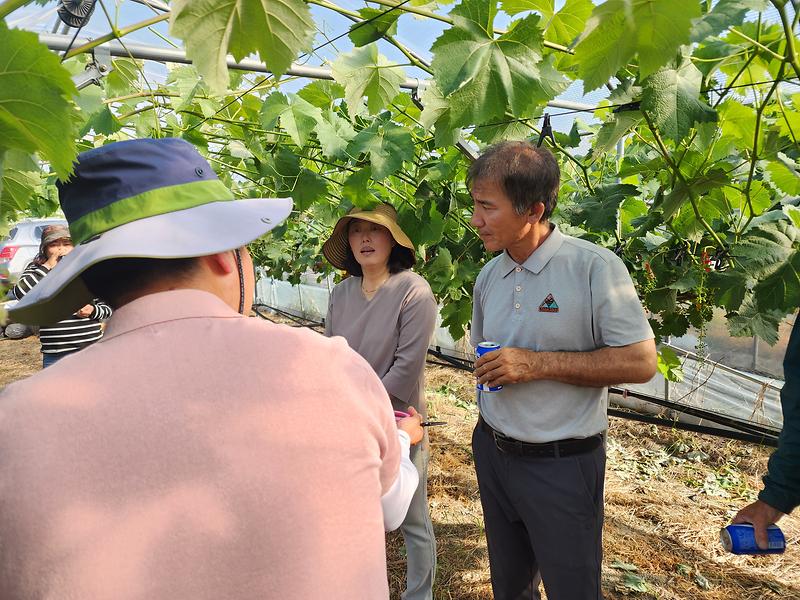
column 221, row 263
column 535, row 213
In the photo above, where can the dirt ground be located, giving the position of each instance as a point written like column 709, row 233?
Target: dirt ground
column 667, row 494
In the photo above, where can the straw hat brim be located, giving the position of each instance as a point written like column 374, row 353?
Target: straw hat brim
column 335, row 248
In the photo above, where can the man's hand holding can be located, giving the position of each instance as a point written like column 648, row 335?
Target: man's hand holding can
column 497, row 366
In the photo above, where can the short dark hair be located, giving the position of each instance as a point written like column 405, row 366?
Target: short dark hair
column 528, row 174
column 117, row 279
column 400, row 259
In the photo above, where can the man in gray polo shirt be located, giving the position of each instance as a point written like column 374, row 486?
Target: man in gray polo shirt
column 570, row 324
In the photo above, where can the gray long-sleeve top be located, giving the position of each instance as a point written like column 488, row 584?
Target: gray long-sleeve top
column 391, row 331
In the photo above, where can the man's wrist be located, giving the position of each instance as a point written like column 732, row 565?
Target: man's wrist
column 538, row 365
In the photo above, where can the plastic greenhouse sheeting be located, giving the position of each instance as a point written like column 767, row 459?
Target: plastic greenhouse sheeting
column 706, row 384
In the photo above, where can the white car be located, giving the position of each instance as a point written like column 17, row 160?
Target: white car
column 22, row 244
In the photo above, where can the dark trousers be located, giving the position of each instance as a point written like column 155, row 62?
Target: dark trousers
column 544, row 521
column 51, row 359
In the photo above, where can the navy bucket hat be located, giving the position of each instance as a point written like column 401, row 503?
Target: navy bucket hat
column 147, row 198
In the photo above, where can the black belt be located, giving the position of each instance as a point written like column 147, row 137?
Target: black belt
column 555, row 449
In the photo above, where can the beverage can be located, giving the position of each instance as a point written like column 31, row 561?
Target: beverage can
column 483, row 348
column 741, row 539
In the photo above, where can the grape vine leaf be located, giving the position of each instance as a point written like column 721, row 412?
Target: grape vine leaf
column 793, row 213
column 618, row 29
column 738, row 121
column 600, row 211
column 282, row 167
column 748, row 321
column 436, row 115
column 19, row 177
column 376, row 24
column 549, row 84
column 185, row 79
column 440, row 270
column 365, row 73
column 103, row 122
column 671, row 98
column 297, row 117
column 674, row 324
column 687, row 282
column 669, row 364
column 568, row 23
column 432, row 227
column 356, row 189
column 781, row 290
column 614, row 129
column 662, row 300
column 512, row 129
column 789, row 124
column 483, row 76
column 545, row 8
column 455, row 317
column 713, row 53
column 722, row 15
column 728, row 288
column 783, row 174
column 424, row 224
column 630, row 209
column 123, row 77
column 36, row 112
column 763, row 250
column 760, row 198
column 308, row 188
column 698, row 185
column 334, row 133
column 388, row 146
column 321, row 93
column 278, row 30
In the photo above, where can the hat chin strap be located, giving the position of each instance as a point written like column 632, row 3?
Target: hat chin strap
column 240, row 269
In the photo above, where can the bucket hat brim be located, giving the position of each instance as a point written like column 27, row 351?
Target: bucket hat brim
column 198, row 231
column 335, row 248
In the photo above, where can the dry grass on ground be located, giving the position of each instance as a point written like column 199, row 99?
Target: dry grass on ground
column 667, row 495
column 19, row 358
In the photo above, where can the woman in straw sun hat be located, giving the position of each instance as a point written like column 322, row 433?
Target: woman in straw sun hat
column 387, row 314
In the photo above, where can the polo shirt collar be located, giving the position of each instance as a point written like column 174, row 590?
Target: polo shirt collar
column 539, row 258
column 166, row 306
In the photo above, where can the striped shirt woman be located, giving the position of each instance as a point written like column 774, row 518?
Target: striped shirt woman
column 82, row 328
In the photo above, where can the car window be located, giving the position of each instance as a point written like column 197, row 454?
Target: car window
column 37, row 232
column 12, row 233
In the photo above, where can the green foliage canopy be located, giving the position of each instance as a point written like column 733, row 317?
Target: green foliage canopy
column 702, row 204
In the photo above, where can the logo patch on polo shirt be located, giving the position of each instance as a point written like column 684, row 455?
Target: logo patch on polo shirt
column 549, row 304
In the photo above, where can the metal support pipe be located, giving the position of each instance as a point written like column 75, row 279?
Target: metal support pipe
column 726, row 368
column 172, row 55
column 755, row 354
